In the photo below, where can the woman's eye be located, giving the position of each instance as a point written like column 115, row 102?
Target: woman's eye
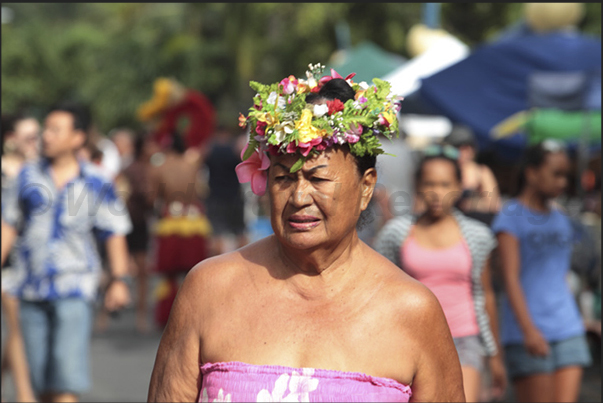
column 318, row 179
column 281, row 178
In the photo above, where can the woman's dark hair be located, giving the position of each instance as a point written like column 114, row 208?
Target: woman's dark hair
column 424, row 160
column 338, row 88
column 533, row 157
column 9, row 122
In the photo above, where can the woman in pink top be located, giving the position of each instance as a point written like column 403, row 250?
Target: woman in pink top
column 448, row 252
column 310, row 313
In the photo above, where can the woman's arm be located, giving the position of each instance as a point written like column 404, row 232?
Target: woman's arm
column 509, row 256
column 497, row 367
column 490, row 185
column 438, row 376
column 176, row 376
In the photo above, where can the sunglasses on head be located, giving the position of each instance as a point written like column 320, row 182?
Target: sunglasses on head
column 436, row 150
column 552, row 145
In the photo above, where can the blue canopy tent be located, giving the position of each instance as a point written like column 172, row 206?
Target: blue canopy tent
column 492, row 83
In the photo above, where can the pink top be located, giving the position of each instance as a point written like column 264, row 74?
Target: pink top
column 239, row 382
column 447, row 273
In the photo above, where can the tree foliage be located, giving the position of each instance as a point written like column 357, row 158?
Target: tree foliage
column 108, row 54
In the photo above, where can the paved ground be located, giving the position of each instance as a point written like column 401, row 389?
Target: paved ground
column 122, row 361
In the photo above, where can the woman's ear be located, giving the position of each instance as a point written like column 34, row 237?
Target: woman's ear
column 530, row 175
column 368, row 182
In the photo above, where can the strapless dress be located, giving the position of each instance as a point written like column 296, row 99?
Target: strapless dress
column 240, row 382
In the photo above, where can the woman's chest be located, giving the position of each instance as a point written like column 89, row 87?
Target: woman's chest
column 344, row 338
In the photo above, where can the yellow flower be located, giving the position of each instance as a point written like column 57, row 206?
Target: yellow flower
column 307, row 132
column 302, row 87
column 269, row 119
column 389, row 116
column 359, row 94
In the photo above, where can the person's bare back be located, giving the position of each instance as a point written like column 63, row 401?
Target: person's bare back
column 176, row 178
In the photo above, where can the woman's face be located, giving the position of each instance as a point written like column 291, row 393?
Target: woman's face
column 466, row 153
column 319, row 204
column 27, row 136
column 439, row 186
column 550, row 179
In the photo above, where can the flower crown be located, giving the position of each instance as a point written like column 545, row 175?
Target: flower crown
column 282, row 122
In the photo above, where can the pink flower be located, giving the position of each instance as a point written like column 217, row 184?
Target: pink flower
column 321, row 147
column 254, row 170
column 260, row 128
column 305, row 148
column 291, row 148
column 362, row 100
column 353, row 134
column 289, row 84
column 333, row 75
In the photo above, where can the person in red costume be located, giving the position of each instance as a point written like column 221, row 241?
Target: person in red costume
column 171, row 101
column 182, row 229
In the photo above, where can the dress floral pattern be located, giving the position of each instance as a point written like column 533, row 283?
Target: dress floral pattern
column 300, row 387
column 234, row 381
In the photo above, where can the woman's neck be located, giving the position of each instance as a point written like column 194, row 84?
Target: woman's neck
column 534, row 200
column 320, row 271
column 428, row 219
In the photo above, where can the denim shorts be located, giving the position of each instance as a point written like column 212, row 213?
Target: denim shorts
column 471, row 351
column 563, row 353
column 57, row 337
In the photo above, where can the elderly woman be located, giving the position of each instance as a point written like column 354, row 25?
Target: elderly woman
column 309, row 313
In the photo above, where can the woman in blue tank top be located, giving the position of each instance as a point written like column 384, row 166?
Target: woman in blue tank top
column 542, row 331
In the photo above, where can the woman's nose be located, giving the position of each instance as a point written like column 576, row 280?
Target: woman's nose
column 301, row 194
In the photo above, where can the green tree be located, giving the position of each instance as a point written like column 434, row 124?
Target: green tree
column 108, row 54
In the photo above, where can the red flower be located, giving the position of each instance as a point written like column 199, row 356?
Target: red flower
column 260, row 128
column 273, row 150
column 335, row 106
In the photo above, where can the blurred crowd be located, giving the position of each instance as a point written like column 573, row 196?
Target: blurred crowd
column 184, row 204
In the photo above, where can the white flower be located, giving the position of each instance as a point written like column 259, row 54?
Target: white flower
column 280, row 387
column 281, row 100
column 363, row 85
column 281, row 130
column 300, row 387
column 221, row 398
column 320, row 110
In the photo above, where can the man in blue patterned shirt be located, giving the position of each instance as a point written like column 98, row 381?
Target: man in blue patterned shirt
column 56, row 207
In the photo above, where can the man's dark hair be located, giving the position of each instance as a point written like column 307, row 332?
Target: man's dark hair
column 81, row 114
column 178, row 143
column 139, row 142
column 338, row 88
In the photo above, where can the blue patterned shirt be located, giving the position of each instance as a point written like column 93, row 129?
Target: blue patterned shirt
column 56, row 252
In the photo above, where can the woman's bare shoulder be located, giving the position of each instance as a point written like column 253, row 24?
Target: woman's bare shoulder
column 409, row 298
column 222, row 272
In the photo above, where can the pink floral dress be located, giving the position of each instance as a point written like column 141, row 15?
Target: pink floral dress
column 240, row 382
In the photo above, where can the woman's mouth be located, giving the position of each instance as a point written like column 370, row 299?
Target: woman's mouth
column 303, row 222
